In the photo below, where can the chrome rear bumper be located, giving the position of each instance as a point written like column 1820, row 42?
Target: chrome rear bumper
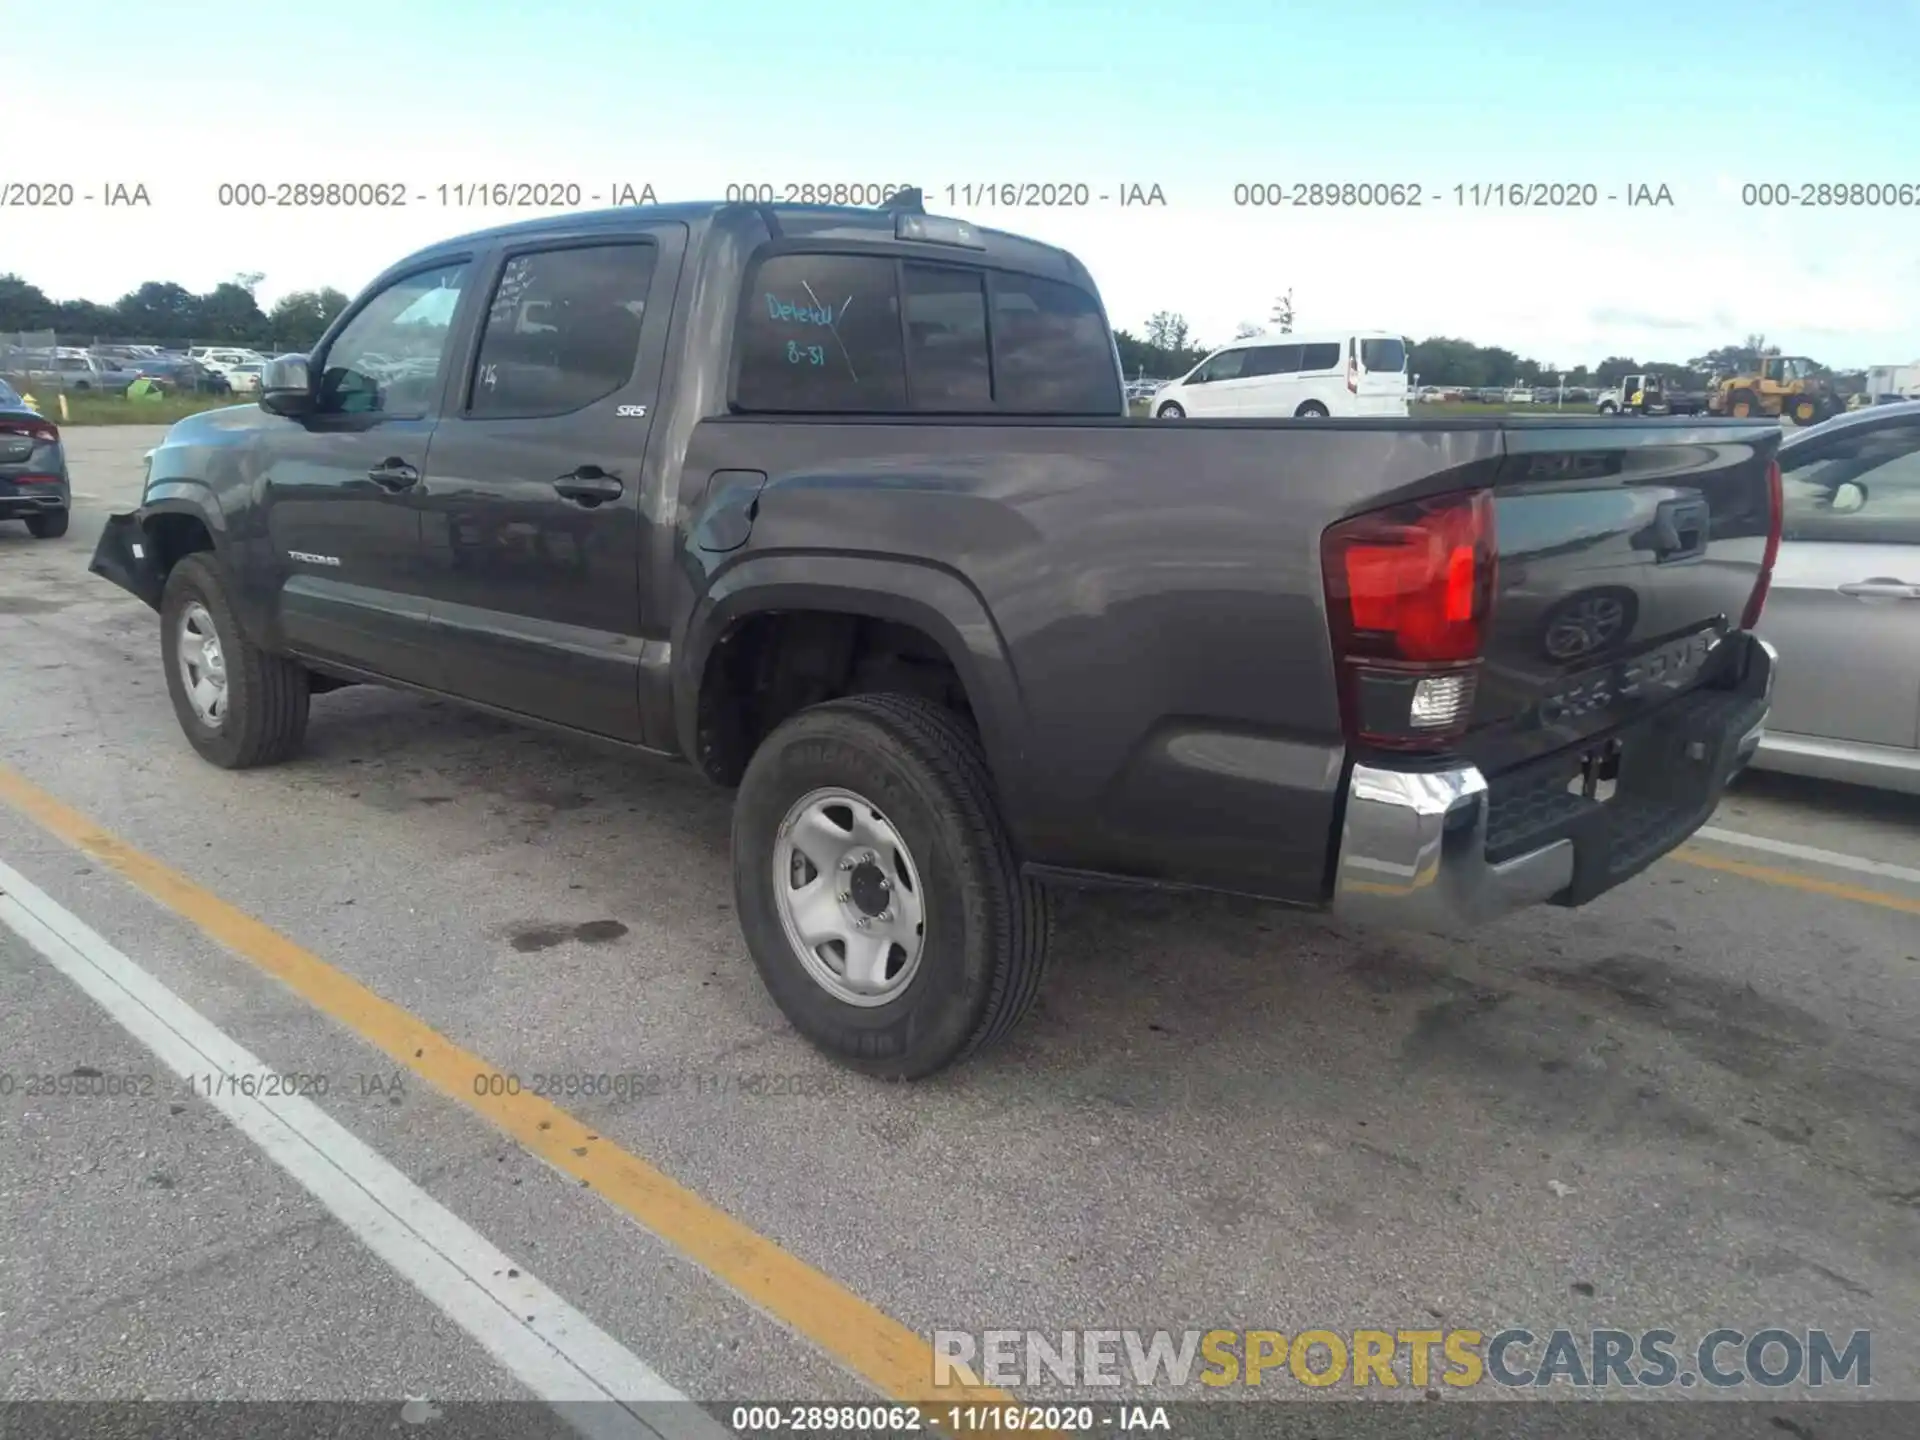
column 1413, row 845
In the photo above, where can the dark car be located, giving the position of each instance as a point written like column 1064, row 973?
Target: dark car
column 33, row 468
column 842, row 507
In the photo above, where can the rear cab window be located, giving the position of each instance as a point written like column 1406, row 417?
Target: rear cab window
column 832, row 333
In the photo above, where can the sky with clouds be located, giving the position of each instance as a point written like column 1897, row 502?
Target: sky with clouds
column 1195, row 100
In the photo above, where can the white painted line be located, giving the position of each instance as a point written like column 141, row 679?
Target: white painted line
column 1811, row 854
column 551, row 1348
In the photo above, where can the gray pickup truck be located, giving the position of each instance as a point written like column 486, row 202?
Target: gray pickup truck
column 841, row 507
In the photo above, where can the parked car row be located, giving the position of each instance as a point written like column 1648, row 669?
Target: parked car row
column 115, row 369
column 1505, row 394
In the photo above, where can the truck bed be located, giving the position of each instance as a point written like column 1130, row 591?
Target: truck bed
column 1144, row 617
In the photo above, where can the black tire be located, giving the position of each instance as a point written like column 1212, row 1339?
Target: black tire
column 1170, row 411
column 267, row 695
column 1312, row 410
column 48, row 524
column 1744, row 404
column 987, row 927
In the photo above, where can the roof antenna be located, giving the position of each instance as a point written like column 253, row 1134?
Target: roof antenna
column 905, row 202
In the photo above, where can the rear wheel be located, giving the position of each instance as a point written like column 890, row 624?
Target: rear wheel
column 1743, row 404
column 1803, row 409
column 48, row 524
column 1312, row 410
column 877, row 890
column 239, row 705
column 1171, row 411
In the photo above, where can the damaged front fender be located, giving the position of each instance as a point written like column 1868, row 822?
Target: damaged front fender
column 125, row 556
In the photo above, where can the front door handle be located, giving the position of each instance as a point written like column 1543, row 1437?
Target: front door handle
column 393, row 473
column 1882, row 588
column 590, row 485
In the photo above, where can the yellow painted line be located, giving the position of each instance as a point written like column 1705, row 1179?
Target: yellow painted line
column 1792, row 880
column 879, row 1349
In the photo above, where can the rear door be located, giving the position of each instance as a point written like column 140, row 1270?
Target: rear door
column 1271, row 375
column 1319, row 375
column 1381, row 376
column 533, row 512
column 1844, row 610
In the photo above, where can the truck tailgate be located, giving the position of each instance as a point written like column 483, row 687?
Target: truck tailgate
column 1625, row 552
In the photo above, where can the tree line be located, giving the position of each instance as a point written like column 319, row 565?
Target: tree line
column 1167, row 348
column 163, row 313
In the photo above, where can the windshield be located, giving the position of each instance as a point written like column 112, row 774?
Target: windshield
column 1383, row 355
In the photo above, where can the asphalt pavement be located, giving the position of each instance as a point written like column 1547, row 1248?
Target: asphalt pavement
column 1693, row 1104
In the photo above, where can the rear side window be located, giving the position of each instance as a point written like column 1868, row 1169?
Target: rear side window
column 1273, row 360
column 1051, row 350
column 562, row 330
column 947, row 338
column 821, row 333
column 1383, row 355
column 1320, row 357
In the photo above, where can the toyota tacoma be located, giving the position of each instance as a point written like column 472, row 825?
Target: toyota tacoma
column 842, row 507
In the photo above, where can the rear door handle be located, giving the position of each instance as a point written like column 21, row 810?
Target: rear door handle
column 1882, row 588
column 393, row 473
column 590, row 485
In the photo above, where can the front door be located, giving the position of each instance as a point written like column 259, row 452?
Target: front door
column 337, row 485
column 535, row 526
column 1844, row 608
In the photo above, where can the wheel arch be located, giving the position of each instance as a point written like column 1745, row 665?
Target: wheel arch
column 914, row 596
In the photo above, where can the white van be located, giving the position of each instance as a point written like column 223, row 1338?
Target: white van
column 1351, row 372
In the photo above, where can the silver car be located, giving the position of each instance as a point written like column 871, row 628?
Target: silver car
column 1844, row 610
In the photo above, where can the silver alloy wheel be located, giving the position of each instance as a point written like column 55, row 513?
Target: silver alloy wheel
column 203, row 665
column 1585, row 627
column 849, row 897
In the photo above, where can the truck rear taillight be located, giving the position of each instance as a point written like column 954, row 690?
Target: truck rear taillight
column 1409, row 596
column 1776, row 521
column 1353, row 373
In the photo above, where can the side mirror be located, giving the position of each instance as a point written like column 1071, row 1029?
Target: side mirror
column 1848, row 497
column 285, row 387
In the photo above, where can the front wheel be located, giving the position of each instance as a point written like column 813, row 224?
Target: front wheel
column 48, row 524
column 239, row 705
column 877, row 889
column 1171, row 411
